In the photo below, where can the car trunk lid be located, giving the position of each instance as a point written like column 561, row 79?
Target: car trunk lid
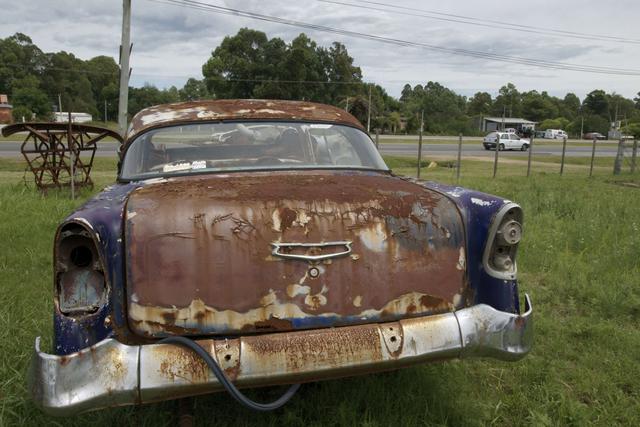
column 252, row 252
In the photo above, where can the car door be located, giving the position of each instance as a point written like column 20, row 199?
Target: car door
column 514, row 141
column 504, row 139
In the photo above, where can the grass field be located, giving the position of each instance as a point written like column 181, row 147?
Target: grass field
column 579, row 261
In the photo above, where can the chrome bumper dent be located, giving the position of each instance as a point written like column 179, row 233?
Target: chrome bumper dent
column 113, row 374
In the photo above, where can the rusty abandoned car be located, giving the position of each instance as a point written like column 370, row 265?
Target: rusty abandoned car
column 249, row 243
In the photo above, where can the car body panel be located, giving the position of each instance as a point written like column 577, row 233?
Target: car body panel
column 200, row 258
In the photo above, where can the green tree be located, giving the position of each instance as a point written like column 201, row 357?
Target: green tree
column 250, row 65
column 68, row 76
column 592, row 123
column 19, row 58
column 236, row 64
column 557, row 123
column 480, row 104
column 596, row 102
column 508, row 101
column 442, row 107
column 538, row 107
column 570, row 106
column 632, row 129
column 620, row 108
column 149, row 95
column 193, row 90
column 29, row 100
column 103, row 74
column 407, row 93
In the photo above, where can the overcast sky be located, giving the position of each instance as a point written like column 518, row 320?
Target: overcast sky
column 171, row 42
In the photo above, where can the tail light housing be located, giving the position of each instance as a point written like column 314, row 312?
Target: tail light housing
column 79, row 273
column 505, row 233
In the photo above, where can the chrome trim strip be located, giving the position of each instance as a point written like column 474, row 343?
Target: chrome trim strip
column 278, row 245
column 113, row 374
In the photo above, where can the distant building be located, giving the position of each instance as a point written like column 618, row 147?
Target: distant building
column 489, row 124
column 6, row 116
column 75, row 117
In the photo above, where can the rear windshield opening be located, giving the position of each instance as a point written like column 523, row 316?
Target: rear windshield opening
column 197, row 148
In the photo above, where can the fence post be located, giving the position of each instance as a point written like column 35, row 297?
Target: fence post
column 564, row 150
column 72, row 158
column 593, row 156
column 530, row 154
column 419, row 152
column 459, row 158
column 495, row 158
column 634, row 154
column 420, row 144
column 617, row 164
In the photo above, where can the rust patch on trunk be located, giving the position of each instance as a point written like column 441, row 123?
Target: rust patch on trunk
column 220, row 276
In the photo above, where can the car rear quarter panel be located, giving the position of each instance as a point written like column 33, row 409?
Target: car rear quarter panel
column 478, row 211
column 102, row 216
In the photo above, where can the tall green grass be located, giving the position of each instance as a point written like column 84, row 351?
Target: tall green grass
column 579, row 261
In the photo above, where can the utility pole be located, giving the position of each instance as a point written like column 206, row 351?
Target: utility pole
column 369, row 112
column 59, row 104
column 105, row 111
column 582, row 127
column 125, row 52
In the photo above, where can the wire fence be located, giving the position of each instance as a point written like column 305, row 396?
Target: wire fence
column 467, row 155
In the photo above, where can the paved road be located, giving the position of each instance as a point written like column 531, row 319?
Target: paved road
column 409, row 149
column 108, row 149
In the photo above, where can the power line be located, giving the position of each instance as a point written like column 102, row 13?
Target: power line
column 223, row 80
column 45, row 68
column 449, row 17
column 398, row 42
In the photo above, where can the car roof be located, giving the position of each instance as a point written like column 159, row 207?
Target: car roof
column 237, row 109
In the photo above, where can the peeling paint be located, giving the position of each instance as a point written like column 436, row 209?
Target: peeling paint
column 461, row 260
column 315, row 301
column 185, row 320
column 295, row 290
column 481, row 202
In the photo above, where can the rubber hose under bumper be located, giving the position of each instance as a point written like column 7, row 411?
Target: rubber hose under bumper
column 227, row 384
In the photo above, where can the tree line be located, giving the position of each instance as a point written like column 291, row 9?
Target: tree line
column 249, row 64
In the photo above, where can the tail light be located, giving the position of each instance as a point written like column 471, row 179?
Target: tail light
column 79, row 273
column 499, row 258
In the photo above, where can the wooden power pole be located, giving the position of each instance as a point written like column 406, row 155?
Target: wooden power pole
column 125, row 53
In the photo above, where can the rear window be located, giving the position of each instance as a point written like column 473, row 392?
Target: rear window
column 231, row 146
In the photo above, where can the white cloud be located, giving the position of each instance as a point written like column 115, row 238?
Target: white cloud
column 171, row 43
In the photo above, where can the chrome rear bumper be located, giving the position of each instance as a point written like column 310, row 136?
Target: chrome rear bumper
column 113, row 374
